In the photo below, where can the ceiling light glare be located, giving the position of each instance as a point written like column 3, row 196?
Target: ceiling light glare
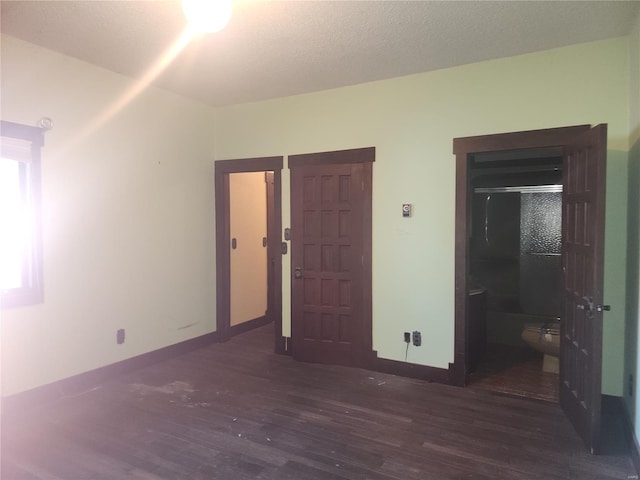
column 207, row 15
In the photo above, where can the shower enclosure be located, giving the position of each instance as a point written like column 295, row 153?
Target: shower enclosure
column 515, row 256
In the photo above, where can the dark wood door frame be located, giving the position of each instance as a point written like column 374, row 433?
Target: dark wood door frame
column 462, row 149
column 365, row 156
column 223, row 241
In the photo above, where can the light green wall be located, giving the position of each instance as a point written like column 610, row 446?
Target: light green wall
column 128, row 219
column 412, row 121
column 632, row 363
column 615, row 249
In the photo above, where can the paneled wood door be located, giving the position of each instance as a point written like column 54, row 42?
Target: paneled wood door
column 331, row 260
column 582, row 256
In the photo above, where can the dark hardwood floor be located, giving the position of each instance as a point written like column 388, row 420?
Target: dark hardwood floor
column 515, row 371
column 237, row 411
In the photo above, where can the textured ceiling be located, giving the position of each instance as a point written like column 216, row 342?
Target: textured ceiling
column 280, row 48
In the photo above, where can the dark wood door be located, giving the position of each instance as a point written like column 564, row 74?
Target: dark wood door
column 583, row 252
column 328, row 321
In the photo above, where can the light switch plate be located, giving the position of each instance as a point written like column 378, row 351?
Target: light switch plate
column 406, row 210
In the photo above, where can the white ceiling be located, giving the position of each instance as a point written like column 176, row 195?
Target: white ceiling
column 280, row 48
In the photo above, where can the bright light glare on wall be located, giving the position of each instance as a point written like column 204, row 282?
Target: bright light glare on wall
column 13, row 225
column 207, row 15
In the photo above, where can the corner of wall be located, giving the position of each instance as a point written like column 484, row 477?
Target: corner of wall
column 631, row 370
column 633, row 284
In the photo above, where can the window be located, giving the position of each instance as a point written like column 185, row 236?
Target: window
column 20, row 217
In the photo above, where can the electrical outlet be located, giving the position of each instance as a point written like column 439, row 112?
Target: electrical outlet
column 407, row 337
column 417, row 338
column 120, row 336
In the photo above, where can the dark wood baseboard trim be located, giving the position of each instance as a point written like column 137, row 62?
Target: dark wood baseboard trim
column 24, row 401
column 248, row 325
column 630, row 436
column 410, row 370
column 457, row 373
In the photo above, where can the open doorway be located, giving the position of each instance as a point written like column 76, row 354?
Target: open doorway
column 248, row 255
column 248, row 200
column 584, row 151
column 515, row 271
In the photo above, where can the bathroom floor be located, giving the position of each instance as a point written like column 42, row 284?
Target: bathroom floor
column 515, row 371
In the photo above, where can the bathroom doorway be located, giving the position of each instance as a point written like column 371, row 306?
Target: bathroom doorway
column 515, row 271
column 584, row 152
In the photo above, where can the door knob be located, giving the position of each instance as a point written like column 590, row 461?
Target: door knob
column 297, row 273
